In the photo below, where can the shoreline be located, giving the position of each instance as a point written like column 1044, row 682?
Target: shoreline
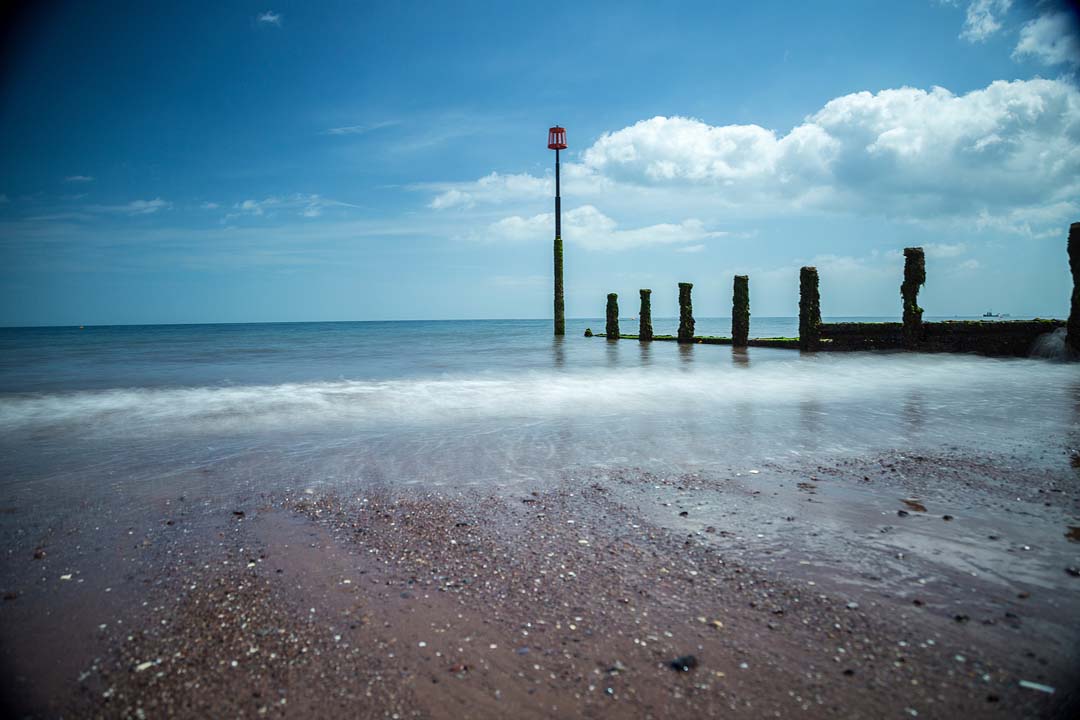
column 573, row 599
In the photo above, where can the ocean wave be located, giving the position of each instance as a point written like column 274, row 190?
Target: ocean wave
column 853, row 378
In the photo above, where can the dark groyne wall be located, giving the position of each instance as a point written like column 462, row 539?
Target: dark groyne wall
column 988, row 337
column 994, row 337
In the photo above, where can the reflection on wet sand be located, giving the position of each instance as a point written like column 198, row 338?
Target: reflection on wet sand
column 645, row 349
column 686, row 356
column 811, row 416
column 914, row 414
column 611, row 352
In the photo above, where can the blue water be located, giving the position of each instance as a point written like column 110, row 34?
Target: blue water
column 137, row 413
column 72, row 358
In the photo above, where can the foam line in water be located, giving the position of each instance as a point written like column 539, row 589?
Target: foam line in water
column 631, row 391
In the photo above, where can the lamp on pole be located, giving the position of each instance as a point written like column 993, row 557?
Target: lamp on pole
column 557, row 142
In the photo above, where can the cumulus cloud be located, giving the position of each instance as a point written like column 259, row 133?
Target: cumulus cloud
column 944, row 250
column 1003, row 152
column 1051, row 39
column 982, row 19
column 494, row 188
column 593, row 230
column 270, row 18
column 1035, row 222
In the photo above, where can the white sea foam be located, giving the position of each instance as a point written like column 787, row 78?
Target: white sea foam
column 1051, row 345
column 966, row 384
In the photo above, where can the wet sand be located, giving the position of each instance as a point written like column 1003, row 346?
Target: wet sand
column 893, row 586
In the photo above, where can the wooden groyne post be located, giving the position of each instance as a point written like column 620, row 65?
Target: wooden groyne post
column 740, row 311
column 612, row 330
column 686, row 313
column 1072, row 333
column 809, row 309
column 645, row 316
column 914, row 278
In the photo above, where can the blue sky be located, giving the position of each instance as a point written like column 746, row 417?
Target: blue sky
column 232, row 162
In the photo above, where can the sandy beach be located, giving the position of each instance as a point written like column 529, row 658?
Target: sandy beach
column 524, row 361
column 841, row 590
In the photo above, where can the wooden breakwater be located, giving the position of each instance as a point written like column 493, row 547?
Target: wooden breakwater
column 996, row 337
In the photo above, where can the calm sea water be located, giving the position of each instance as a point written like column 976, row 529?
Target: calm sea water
column 146, row 412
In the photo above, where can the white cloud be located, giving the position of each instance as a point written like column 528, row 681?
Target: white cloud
column 690, row 249
column 1037, row 222
column 305, row 205
column 210, row 205
column 360, row 129
column 998, row 153
column 593, row 230
column 494, row 188
column 1052, row 39
column 982, row 19
column 270, row 18
column 135, row 207
column 255, row 207
column 78, row 179
column 452, row 198
column 969, row 265
column 944, row 250
column 146, row 207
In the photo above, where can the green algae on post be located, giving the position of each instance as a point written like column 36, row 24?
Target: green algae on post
column 740, row 311
column 645, row 318
column 914, row 278
column 686, row 313
column 809, row 309
column 560, row 314
column 612, row 330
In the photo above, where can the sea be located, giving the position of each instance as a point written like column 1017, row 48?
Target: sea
column 128, row 415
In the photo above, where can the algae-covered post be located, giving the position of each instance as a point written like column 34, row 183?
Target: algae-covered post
column 686, row 313
column 560, row 316
column 1072, row 336
column 740, row 311
column 557, row 142
column 809, row 309
column 645, row 318
column 612, row 316
column 914, row 278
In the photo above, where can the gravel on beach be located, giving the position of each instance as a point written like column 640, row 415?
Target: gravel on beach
column 614, row 594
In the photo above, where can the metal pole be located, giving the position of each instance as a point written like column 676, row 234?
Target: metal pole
column 558, row 200
column 560, row 317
